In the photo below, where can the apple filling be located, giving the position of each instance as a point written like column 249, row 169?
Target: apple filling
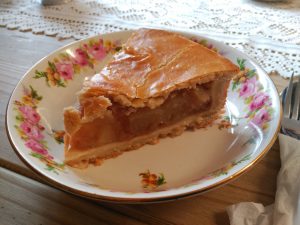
column 121, row 124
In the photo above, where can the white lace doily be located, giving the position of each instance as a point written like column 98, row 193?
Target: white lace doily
column 268, row 32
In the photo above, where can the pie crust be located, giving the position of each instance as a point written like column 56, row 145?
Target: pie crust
column 158, row 85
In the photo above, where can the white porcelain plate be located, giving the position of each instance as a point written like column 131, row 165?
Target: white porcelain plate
column 175, row 167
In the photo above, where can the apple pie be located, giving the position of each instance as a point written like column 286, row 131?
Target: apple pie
column 159, row 84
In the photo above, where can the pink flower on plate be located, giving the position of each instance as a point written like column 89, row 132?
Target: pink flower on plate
column 80, row 57
column 31, row 131
column 65, row 70
column 248, row 88
column 259, row 101
column 97, row 51
column 30, row 114
column 261, row 117
column 36, row 147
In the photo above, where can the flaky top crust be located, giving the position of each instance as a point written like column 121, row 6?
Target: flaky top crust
column 152, row 64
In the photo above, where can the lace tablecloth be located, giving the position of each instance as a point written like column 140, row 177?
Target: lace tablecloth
column 268, row 32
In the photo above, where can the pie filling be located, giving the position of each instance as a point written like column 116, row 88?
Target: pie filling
column 122, row 124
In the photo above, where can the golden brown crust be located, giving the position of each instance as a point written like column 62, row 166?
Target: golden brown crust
column 152, row 64
column 94, row 107
column 72, row 120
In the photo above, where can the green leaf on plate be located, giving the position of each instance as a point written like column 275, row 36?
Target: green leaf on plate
column 36, row 155
column 241, row 63
column 52, row 66
column 250, row 73
column 51, row 168
column 19, row 118
column 40, row 74
column 34, row 94
column 60, row 83
column 234, row 85
column 161, row 180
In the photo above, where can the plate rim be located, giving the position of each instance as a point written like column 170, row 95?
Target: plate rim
column 98, row 197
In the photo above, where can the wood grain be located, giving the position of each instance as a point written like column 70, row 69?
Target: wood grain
column 25, row 201
column 19, row 51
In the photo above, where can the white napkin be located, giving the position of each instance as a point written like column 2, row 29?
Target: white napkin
column 286, row 208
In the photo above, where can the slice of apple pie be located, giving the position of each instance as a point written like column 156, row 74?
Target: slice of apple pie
column 158, row 85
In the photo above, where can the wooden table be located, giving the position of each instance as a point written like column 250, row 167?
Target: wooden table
column 25, row 199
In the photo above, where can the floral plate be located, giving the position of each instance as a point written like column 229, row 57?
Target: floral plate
column 176, row 167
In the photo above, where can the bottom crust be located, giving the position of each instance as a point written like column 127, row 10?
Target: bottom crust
column 81, row 159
